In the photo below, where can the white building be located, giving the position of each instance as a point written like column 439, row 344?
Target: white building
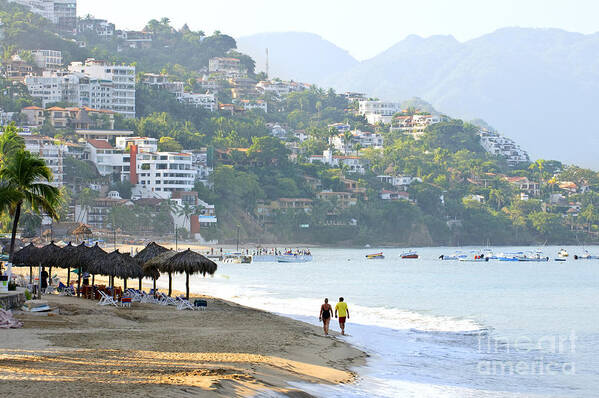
column 414, row 124
column 99, row 27
column 113, row 83
column 386, row 194
column 205, row 101
column 47, row 59
column 51, row 151
column 159, row 174
column 354, row 164
column 280, row 88
column 499, row 145
column 229, row 66
column 5, row 117
column 364, row 139
column 249, row 105
column 163, row 82
column 400, row 181
column 61, row 12
column 108, row 160
column 378, row 111
column 48, row 87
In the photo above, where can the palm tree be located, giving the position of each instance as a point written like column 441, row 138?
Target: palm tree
column 10, row 143
column 22, row 180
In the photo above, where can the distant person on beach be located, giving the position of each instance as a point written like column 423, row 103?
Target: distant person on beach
column 44, row 279
column 343, row 312
column 325, row 315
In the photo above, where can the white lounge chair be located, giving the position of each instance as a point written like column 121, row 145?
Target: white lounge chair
column 107, row 300
column 183, row 304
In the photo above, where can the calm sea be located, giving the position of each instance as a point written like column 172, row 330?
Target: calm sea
column 441, row 328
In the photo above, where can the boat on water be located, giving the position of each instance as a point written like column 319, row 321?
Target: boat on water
column 375, row 256
column 516, row 256
column 452, row 257
column 236, row 258
column 586, row 256
column 534, row 257
column 409, row 254
column 562, row 253
column 294, row 258
column 475, row 259
column 264, row 258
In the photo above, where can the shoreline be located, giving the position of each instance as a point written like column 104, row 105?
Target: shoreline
column 228, row 350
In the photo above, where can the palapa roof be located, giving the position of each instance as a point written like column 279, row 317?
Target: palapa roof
column 149, row 252
column 28, row 256
column 160, row 262
column 117, row 264
column 191, row 262
column 82, row 229
column 51, row 256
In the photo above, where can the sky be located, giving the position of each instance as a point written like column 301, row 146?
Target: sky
column 364, row 28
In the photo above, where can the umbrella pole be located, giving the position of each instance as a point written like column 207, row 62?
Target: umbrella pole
column 93, row 279
column 50, row 276
column 154, row 286
column 140, row 284
column 31, row 274
column 187, row 285
column 124, row 284
column 170, row 284
column 79, row 284
column 68, row 276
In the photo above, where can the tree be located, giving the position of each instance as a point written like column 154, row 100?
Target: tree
column 27, row 181
column 169, row 144
column 10, row 143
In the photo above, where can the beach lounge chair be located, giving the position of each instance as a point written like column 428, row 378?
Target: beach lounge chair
column 183, row 304
column 107, row 300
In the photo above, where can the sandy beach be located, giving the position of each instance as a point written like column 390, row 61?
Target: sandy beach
column 152, row 350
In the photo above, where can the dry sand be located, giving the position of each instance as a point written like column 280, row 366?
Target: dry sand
column 155, row 351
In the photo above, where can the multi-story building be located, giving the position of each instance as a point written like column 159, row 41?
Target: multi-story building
column 399, row 181
column 98, row 27
column 354, row 164
column 361, row 139
column 378, row 111
column 107, row 159
column 62, row 13
column 342, row 200
column 97, row 214
column 51, row 151
column 135, row 39
column 48, row 87
column 279, row 88
column 228, row 66
column 414, row 125
column 111, row 85
column 504, row 147
column 249, row 105
column 6, row 117
column 34, row 116
column 163, row 82
column 206, row 101
column 47, row 59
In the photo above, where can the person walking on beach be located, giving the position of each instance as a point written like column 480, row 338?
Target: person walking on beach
column 325, row 315
column 343, row 312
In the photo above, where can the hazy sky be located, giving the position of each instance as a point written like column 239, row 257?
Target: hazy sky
column 364, row 28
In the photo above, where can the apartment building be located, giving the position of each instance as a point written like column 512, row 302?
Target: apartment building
column 354, row 164
column 51, row 151
column 399, row 181
column 249, row 105
column 163, row 82
column 280, row 88
column 108, row 86
column 48, row 87
column 378, row 111
column 47, row 59
column 62, row 13
column 98, row 27
column 206, row 101
column 228, row 66
column 499, row 145
column 414, row 125
column 358, row 139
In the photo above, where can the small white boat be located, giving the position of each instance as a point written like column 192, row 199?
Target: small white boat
column 534, row 257
column 264, row 258
column 453, row 257
column 236, row 258
column 409, row 254
column 562, row 253
column 294, row 258
column 586, row 256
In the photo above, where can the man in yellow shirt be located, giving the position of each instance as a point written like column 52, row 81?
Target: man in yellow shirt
column 343, row 312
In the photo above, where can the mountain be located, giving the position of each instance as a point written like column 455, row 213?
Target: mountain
column 304, row 57
column 537, row 86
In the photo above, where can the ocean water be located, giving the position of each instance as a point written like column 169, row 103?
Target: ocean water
column 440, row 328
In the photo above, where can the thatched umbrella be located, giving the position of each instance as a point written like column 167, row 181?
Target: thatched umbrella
column 190, row 262
column 94, row 254
column 52, row 257
column 30, row 255
column 151, row 271
column 82, row 229
column 161, row 263
column 149, row 252
column 132, row 269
